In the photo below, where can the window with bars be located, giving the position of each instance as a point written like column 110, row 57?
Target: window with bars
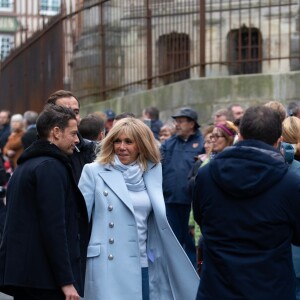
column 49, row 7
column 244, row 51
column 6, row 44
column 6, row 5
column 174, row 57
column 160, row 1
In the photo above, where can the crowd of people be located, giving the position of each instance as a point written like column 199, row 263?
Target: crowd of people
column 123, row 207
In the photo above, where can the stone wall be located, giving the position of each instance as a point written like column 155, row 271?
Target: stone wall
column 206, row 95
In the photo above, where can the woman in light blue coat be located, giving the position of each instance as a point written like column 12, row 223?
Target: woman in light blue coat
column 133, row 253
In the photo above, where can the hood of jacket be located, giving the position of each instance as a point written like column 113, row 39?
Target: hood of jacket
column 43, row 148
column 288, row 152
column 248, row 168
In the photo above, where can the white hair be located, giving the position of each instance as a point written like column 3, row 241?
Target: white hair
column 16, row 118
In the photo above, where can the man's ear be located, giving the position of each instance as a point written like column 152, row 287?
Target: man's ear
column 240, row 137
column 56, row 132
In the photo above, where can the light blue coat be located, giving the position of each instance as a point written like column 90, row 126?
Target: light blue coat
column 113, row 263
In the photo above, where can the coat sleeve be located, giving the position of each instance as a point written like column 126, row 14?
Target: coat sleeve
column 87, row 187
column 197, row 197
column 51, row 195
column 14, row 143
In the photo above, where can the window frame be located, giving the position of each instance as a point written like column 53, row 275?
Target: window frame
column 11, row 43
column 7, row 9
column 49, row 12
column 244, row 51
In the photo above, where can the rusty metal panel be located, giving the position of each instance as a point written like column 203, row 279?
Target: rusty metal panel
column 33, row 72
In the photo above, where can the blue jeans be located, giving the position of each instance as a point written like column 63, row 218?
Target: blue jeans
column 145, row 284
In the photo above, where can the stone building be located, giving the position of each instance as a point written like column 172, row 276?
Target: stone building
column 138, row 44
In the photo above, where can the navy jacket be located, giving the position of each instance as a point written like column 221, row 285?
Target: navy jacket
column 86, row 155
column 246, row 202
column 4, row 134
column 178, row 158
column 29, row 136
column 46, row 231
column 155, row 127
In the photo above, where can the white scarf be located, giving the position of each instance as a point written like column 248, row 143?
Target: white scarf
column 132, row 173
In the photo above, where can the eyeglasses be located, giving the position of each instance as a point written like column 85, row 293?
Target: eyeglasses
column 215, row 136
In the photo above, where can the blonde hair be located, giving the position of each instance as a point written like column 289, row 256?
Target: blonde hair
column 140, row 133
column 291, row 132
column 207, row 132
column 278, row 107
column 229, row 127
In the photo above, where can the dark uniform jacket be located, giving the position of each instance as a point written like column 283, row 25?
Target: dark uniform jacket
column 247, row 204
column 46, row 232
column 178, row 158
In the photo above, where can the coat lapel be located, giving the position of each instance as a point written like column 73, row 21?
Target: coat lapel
column 115, row 181
column 153, row 182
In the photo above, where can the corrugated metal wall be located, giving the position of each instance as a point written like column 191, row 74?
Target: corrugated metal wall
column 31, row 73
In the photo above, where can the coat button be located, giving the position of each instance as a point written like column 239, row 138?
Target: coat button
column 110, row 257
column 110, row 207
column 111, row 240
column 111, row 224
column 105, row 193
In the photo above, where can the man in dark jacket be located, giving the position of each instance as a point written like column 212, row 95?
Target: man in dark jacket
column 152, row 114
column 4, row 127
column 85, row 150
column 178, row 153
column 246, row 202
column 43, row 251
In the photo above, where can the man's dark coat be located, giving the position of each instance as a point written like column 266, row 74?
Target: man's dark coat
column 46, row 232
column 247, row 204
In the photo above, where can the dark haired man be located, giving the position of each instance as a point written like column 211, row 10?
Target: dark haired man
column 236, row 111
column 152, row 113
column 43, row 251
column 246, row 202
column 123, row 115
column 92, row 128
column 85, row 150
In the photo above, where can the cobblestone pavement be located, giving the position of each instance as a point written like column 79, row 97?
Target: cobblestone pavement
column 5, row 297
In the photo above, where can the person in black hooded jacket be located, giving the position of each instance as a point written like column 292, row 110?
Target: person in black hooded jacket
column 246, row 202
column 44, row 245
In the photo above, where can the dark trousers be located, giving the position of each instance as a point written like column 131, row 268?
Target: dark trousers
column 178, row 216
column 145, row 284
column 38, row 294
